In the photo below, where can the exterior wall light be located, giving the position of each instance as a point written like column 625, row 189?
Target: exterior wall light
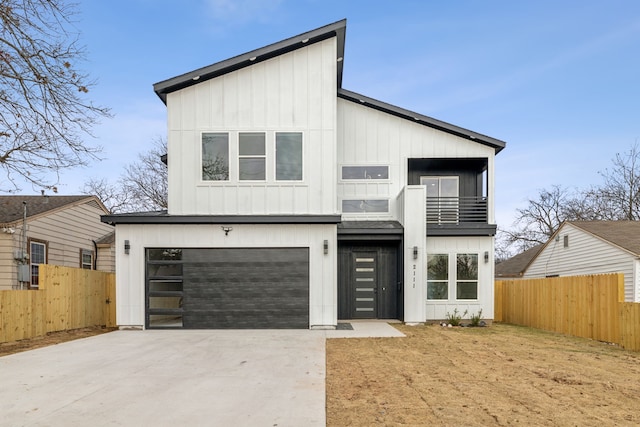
column 486, row 256
column 325, row 246
column 127, row 247
column 226, row 230
column 415, row 252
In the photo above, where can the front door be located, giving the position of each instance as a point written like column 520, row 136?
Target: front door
column 364, row 286
column 368, row 285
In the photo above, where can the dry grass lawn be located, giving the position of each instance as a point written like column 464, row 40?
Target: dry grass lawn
column 496, row 376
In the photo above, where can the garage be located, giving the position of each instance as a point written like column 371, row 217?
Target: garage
column 227, row 288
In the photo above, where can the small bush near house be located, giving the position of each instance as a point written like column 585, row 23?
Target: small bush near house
column 476, row 319
column 454, row 318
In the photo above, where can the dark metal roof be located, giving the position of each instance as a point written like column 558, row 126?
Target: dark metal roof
column 12, row 207
column 163, row 217
column 337, row 29
column 414, row 117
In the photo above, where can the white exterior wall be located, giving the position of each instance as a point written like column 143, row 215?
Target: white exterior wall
column 130, row 269
column 438, row 309
column 293, row 92
column 586, row 254
column 415, row 226
column 370, row 137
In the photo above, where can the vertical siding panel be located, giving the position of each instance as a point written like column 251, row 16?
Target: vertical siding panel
column 215, row 88
column 245, row 98
column 286, row 94
column 300, row 88
column 230, row 110
column 203, row 106
column 259, row 96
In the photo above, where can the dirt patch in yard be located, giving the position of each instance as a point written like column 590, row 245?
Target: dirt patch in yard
column 50, row 339
column 501, row 375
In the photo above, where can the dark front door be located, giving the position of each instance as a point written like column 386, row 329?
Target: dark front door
column 364, row 285
column 368, row 282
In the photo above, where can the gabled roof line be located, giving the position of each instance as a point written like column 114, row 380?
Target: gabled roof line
column 418, row 118
column 576, row 224
column 337, row 29
column 73, row 201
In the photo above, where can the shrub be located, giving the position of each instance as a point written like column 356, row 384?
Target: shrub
column 476, row 318
column 454, row 318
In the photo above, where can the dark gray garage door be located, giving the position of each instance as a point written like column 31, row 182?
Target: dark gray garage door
column 240, row 288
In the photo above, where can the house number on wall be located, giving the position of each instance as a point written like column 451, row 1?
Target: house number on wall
column 414, row 276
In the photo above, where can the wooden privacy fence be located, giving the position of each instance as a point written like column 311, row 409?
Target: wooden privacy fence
column 68, row 298
column 582, row 306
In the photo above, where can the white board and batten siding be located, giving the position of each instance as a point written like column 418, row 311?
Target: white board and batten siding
column 130, row 284
column 369, row 137
column 293, row 92
column 585, row 254
column 438, row 309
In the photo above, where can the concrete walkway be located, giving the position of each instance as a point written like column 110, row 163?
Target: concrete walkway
column 176, row 377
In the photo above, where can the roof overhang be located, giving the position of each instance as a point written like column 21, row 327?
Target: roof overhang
column 164, row 218
column 421, row 119
column 337, row 29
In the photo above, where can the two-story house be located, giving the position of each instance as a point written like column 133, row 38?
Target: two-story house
column 294, row 203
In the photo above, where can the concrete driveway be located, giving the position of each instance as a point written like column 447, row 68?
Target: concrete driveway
column 169, row 378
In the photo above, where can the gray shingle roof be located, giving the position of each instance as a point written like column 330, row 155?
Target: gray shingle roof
column 516, row 265
column 625, row 234
column 12, row 207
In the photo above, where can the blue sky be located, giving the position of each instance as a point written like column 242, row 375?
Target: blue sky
column 559, row 81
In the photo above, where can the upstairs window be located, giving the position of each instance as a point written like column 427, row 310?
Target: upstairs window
column 365, row 206
column 288, row 156
column 252, row 156
column 365, row 172
column 215, row 156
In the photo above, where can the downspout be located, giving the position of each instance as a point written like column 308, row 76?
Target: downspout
column 23, row 244
column 95, row 258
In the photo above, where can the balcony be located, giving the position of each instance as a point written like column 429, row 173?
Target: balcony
column 458, row 216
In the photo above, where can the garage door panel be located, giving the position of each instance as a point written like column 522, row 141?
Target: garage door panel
column 246, row 288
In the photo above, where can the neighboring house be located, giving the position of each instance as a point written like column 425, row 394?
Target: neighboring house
column 592, row 247
column 60, row 230
column 294, row 203
column 514, row 267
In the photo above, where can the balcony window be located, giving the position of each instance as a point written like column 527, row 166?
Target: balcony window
column 442, row 198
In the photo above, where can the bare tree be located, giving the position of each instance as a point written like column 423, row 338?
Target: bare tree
column 621, row 189
column 44, row 113
column 141, row 187
column 146, row 181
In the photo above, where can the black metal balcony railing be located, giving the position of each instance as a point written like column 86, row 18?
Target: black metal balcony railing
column 455, row 210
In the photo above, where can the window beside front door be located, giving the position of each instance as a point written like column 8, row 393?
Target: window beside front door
column 455, row 272
column 37, row 256
column 438, row 276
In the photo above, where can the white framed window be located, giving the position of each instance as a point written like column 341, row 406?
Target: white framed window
column 289, row 156
column 467, row 276
column 370, row 172
column 37, row 256
column 252, row 156
column 452, row 276
column 86, row 259
column 365, row 206
column 438, row 277
column 215, row 156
